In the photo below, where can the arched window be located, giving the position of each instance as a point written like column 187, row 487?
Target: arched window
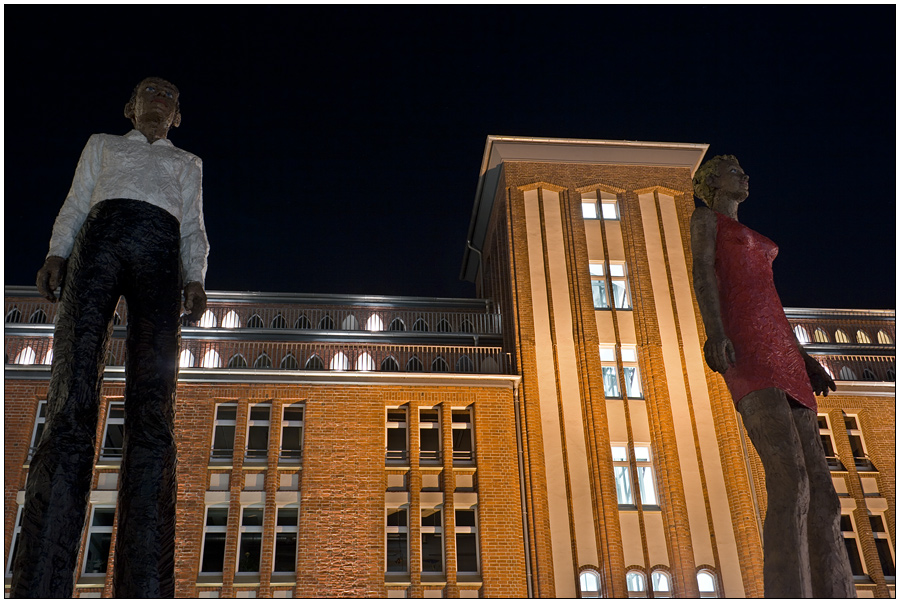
column 364, row 362
column 111, row 358
column 256, row 322
column 891, row 376
column 211, row 360
column 821, row 336
column 14, row 315
column 590, row 584
column 390, row 364
column 466, row 326
column 662, row 584
column 237, row 361
column 374, row 323
column 637, row 585
column 861, row 337
column 489, row 365
column 26, row 356
column 464, row 365
column 303, row 323
column 314, row 363
column 414, row 365
column 444, row 326
column 279, row 322
column 38, row 317
column 869, row 375
column 117, row 320
column 420, row 325
column 884, row 338
column 340, row 362
column 208, row 320
column 350, row 323
column 326, row 323
column 262, row 361
column 706, row 583
column 841, row 337
column 439, row 365
column 802, row 335
column 289, row 363
column 231, row 320
column 48, row 357
column 847, row 374
column 186, row 360
column 397, row 325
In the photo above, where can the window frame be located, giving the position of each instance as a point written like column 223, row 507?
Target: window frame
column 225, row 423
column 714, row 593
column 244, row 530
column 17, row 530
column 458, row 529
column 437, row 530
column 834, row 462
column 430, row 457
column 863, row 463
column 265, row 425
column 398, row 529
column 400, row 456
column 638, row 575
column 585, row 593
column 622, row 470
column 884, row 535
column 292, row 423
column 285, row 529
column 108, row 454
column 851, row 535
column 40, row 420
column 213, row 529
column 461, row 456
column 93, row 530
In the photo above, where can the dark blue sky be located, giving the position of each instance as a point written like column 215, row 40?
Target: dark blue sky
column 341, row 145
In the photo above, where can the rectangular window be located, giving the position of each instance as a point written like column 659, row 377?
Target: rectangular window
column 286, row 539
column 883, row 546
column 213, row 557
column 631, row 373
column 397, row 547
column 397, row 440
column 622, row 474
column 292, row 431
column 466, row 541
column 432, row 541
column 589, row 210
column 463, row 435
column 15, row 542
column 223, row 431
column 610, row 375
column 857, row 446
column 251, row 540
column 619, row 280
column 849, row 533
column 38, row 428
column 114, row 431
column 825, row 434
column 96, row 553
column 598, row 285
column 429, row 435
column 609, row 209
column 258, row 431
column 646, row 482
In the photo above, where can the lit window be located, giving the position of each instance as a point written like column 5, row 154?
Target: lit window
column 213, row 556
column 598, row 285
column 466, row 541
column 39, row 422
column 429, row 435
column 610, row 375
column 374, row 323
column 258, row 431
column 646, row 482
column 857, row 446
column 26, row 356
column 211, row 360
column 861, row 337
column 884, row 338
column 622, row 474
column 637, row 585
column 364, row 362
column 279, row 322
column 114, row 432
column 14, row 547
column 631, row 373
column 397, row 540
column 231, row 320
column 849, row 533
column 609, row 210
column 801, row 334
column 48, row 357
column 286, row 539
column 590, row 584
column 432, row 541
column 255, row 322
column 237, row 361
column 223, row 431
column 251, row 540
column 617, row 275
column 292, row 431
column 883, row 546
column 661, row 585
column 350, row 323
column 340, row 362
column 821, row 336
column 396, row 437
column 589, row 210
column 208, row 320
column 834, row 464
column 96, row 554
column 463, row 435
column 841, row 337
column 262, row 361
column 706, row 583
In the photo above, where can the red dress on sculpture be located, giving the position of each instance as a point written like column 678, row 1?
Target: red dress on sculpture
column 753, row 317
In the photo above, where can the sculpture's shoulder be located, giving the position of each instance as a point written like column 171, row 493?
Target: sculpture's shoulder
column 186, row 156
column 703, row 215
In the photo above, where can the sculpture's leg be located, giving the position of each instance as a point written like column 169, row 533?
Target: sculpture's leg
column 59, row 478
column 145, row 541
column 829, row 566
column 767, row 418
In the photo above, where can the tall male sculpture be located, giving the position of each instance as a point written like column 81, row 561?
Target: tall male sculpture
column 773, row 382
column 132, row 225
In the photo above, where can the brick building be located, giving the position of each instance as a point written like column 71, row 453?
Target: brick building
column 560, row 435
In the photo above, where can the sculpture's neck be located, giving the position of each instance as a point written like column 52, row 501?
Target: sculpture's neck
column 728, row 207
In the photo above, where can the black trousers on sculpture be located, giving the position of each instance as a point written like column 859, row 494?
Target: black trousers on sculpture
column 128, row 248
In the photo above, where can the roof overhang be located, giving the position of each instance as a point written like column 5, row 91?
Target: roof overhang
column 499, row 149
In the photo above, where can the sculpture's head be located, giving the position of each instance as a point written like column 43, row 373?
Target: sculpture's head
column 154, row 100
column 720, row 179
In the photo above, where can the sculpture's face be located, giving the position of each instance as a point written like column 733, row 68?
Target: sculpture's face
column 156, row 101
column 730, row 181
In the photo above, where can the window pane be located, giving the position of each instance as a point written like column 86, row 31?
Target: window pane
column 213, row 552
column 648, row 491
column 596, row 269
column 396, row 415
column 259, row 413
column 620, row 294
column 251, row 545
column 432, row 553
column 607, row 354
column 884, row 555
column 635, row 581
column 431, row 517
column 257, row 440
column 660, row 581
column 877, row 523
column 466, row 553
column 97, row 553
column 253, row 516
column 589, row 581
column 641, row 453
column 462, row 440
column 619, row 453
column 287, row 516
column 290, row 439
column 616, row 270
column 853, row 553
column 706, row 583
column 103, row 517
column 623, row 486
column 589, row 210
column 599, row 290
column 224, row 439
column 396, row 553
column 285, row 552
column 115, row 435
column 610, row 382
column 396, row 517
column 465, row 518
column 632, row 382
column 609, row 210
column 628, row 355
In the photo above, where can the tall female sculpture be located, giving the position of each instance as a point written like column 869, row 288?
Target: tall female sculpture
column 773, row 382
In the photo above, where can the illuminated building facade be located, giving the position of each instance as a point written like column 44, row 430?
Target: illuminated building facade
column 559, row 436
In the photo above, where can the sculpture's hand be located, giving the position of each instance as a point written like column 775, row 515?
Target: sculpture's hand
column 50, row 276
column 194, row 300
column 818, row 377
column 719, row 353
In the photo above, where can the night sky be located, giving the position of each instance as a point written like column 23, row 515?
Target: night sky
column 341, row 145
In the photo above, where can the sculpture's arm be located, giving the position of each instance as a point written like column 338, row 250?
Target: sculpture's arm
column 819, row 378
column 194, row 244
column 718, row 350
